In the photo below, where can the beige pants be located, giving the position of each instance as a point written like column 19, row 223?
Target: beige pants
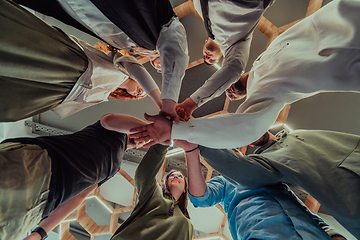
column 39, row 64
column 25, row 172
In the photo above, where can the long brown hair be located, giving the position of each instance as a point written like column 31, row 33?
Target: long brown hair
column 119, row 93
column 182, row 201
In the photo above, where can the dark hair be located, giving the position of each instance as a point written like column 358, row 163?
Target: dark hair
column 183, row 198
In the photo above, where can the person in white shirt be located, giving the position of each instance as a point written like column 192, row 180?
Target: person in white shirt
column 319, row 54
column 144, row 27
column 49, row 70
column 230, row 25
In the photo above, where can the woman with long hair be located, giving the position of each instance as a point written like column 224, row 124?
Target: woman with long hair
column 160, row 212
column 50, row 70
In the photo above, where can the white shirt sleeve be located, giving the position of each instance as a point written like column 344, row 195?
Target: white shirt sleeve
column 135, row 70
column 234, row 64
column 174, row 59
column 252, row 119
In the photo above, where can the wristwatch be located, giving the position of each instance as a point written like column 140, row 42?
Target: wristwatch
column 40, row 231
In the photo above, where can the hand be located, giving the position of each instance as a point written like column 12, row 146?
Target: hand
column 33, row 236
column 235, row 94
column 157, row 132
column 338, row 237
column 182, row 114
column 168, row 110
column 185, row 109
column 185, row 145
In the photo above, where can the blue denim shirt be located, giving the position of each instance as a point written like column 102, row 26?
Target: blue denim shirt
column 264, row 213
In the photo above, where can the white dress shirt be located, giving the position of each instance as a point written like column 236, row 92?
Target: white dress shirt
column 171, row 44
column 104, row 74
column 319, row 54
column 232, row 24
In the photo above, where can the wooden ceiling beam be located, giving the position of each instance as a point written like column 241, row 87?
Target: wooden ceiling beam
column 266, row 27
column 195, row 63
column 184, row 9
column 222, row 225
column 287, row 26
column 127, row 176
column 220, row 208
column 283, row 115
column 313, row 6
column 123, row 209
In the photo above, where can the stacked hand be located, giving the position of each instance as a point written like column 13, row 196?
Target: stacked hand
column 160, row 130
column 157, row 132
column 185, row 109
column 168, row 110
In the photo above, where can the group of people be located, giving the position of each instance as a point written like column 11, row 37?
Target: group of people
column 44, row 179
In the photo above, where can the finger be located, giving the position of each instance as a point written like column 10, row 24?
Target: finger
column 176, row 119
column 139, row 134
column 142, row 139
column 149, row 117
column 139, row 129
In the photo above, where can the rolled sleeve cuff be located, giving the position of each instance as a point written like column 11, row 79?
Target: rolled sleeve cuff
column 181, row 131
column 200, row 201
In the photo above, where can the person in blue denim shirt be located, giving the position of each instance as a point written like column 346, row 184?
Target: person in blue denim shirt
column 271, row 212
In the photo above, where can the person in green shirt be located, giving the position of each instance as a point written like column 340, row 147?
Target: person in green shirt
column 160, row 212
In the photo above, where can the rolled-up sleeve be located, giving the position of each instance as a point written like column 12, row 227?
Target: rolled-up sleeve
column 215, row 193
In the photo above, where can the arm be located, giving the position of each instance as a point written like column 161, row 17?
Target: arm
column 121, row 122
column 145, row 175
column 252, row 119
column 201, row 194
column 225, row 161
column 131, row 67
column 174, row 59
column 60, row 213
column 196, row 181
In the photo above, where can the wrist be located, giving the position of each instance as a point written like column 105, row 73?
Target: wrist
column 194, row 149
column 39, row 231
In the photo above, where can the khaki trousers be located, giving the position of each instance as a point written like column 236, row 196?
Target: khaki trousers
column 25, row 172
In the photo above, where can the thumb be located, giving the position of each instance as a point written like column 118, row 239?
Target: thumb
column 177, row 119
column 149, row 117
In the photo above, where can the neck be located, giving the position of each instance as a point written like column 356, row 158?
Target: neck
column 176, row 194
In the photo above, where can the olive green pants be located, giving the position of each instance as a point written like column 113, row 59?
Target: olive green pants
column 25, row 172
column 39, row 64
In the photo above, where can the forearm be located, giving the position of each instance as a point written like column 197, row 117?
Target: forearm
column 218, row 82
column 196, row 181
column 230, row 130
column 155, row 96
column 174, row 59
column 240, row 170
column 148, row 168
column 62, row 211
column 121, row 122
column 142, row 76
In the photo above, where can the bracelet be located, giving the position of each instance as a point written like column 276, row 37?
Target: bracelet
column 40, row 231
column 192, row 149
